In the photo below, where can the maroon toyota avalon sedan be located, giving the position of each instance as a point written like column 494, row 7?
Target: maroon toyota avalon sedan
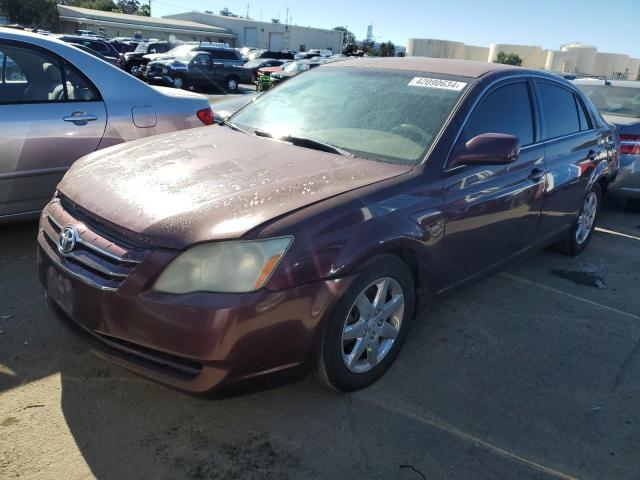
column 312, row 227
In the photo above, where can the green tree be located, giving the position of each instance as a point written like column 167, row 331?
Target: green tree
column 387, row 49
column 31, row 13
column 509, row 59
column 128, row 6
column 144, row 10
column 349, row 37
column 104, row 5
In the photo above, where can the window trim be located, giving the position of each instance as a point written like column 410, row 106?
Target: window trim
column 572, row 91
column 61, row 61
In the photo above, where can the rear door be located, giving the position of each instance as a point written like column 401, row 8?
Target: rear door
column 50, row 115
column 573, row 150
column 493, row 211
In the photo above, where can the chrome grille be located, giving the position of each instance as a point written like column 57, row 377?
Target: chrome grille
column 97, row 258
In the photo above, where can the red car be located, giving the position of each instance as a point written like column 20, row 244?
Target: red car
column 314, row 225
column 270, row 70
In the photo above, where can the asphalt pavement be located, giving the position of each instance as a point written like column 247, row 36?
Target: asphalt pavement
column 533, row 373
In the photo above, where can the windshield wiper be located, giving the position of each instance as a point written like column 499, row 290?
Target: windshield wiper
column 227, row 123
column 307, row 143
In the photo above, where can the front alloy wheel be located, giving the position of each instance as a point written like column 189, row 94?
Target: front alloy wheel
column 368, row 325
column 372, row 325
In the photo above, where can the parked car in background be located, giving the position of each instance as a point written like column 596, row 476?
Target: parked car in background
column 245, row 51
column 319, row 220
column 307, row 56
column 113, row 61
column 619, row 103
column 96, row 44
column 221, row 53
column 324, row 53
column 269, row 70
column 124, row 44
column 282, row 55
column 293, row 69
column 197, row 69
column 258, row 63
column 58, row 103
column 132, row 60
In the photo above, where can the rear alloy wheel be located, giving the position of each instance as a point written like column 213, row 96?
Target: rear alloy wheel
column 368, row 326
column 582, row 231
column 232, row 84
column 178, row 83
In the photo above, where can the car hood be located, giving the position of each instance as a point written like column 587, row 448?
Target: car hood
column 209, row 183
column 619, row 119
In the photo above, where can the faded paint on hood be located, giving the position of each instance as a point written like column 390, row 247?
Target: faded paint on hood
column 209, row 183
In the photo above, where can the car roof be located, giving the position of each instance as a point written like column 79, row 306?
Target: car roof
column 463, row 68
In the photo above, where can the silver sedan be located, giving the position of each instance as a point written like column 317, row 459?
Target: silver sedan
column 58, row 103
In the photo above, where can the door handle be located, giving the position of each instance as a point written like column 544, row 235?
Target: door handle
column 536, row 175
column 80, row 118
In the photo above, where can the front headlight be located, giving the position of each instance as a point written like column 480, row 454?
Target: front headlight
column 225, row 267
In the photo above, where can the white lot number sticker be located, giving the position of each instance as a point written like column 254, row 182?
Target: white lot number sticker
column 437, row 83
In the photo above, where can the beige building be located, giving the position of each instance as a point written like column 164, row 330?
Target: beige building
column 571, row 58
column 112, row 24
column 273, row 36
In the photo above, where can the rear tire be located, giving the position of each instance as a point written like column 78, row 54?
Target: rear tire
column 585, row 223
column 367, row 328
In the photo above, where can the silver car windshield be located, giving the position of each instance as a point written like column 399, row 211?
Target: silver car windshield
column 623, row 101
column 385, row 115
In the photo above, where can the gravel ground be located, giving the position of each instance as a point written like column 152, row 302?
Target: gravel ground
column 533, row 373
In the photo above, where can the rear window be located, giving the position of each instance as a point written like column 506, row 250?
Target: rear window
column 614, row 100
column 559, row 112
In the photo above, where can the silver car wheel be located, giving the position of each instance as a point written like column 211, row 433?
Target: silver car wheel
column 372, row 325
column 587, row 218
column 232, row 84
column 178, row 83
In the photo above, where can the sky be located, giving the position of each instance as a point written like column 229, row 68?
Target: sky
column 612, row 26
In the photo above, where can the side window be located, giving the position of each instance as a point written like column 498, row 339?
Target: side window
column 582, row 115
column 34, row 76
column 79, row 88
column 559, row 112
column 506, row 109
column 201, row 60
column 29, row 76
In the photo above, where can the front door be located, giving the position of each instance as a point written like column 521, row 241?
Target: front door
column 50, row 115
column 493, row 211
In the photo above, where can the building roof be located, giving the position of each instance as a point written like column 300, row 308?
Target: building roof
column 463, row 68
column 69, row 13
column 243, row 20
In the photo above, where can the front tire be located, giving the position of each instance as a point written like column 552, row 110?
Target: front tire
column 231, row 84
column 582, row 230
column 370, row 323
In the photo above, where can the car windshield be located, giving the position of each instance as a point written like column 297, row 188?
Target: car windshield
column 384, row 115
column 623, row 101
column 141, row 47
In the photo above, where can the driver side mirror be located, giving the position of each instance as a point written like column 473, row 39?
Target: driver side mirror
column 487, row 149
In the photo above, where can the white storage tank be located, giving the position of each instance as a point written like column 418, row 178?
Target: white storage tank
column 585, row 59
column 610, row 65
column 633, row 68
column 561, row 61
column 531, row 55
column 431, row 47
column 478, row 54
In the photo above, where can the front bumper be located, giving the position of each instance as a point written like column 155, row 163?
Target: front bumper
column 195, row 342
column 627, row 182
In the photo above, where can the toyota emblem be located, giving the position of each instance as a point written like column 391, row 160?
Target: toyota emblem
column 67, row 240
